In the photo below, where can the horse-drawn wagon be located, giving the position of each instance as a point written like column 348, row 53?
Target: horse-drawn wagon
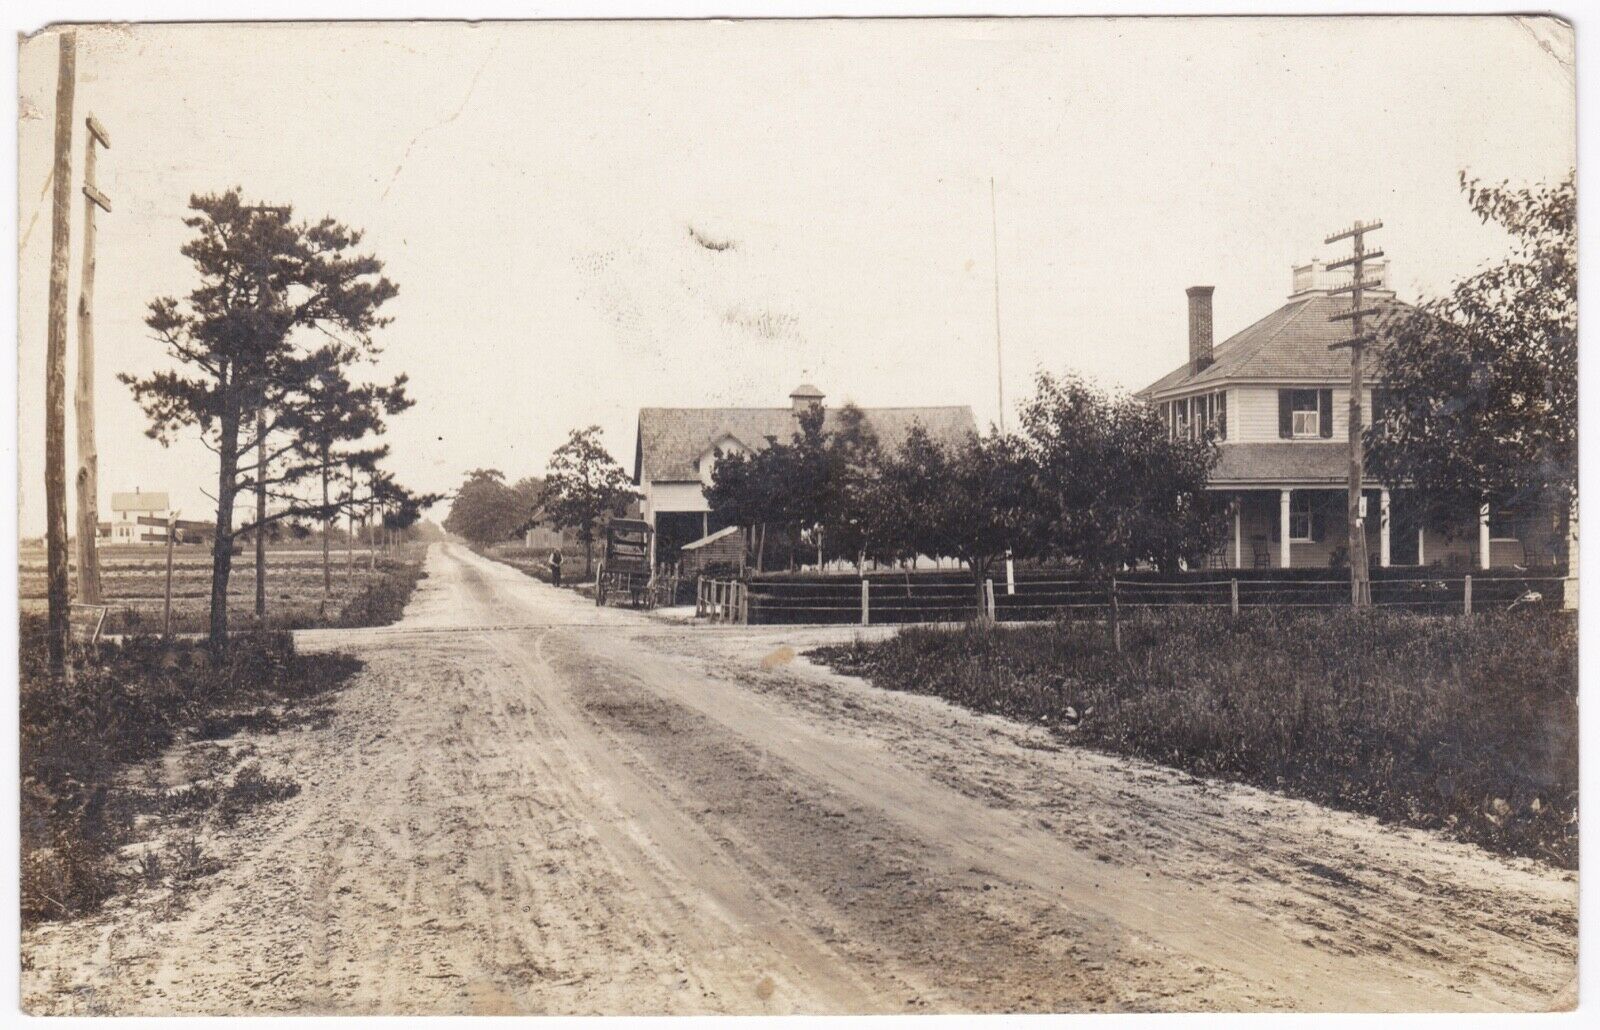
column 625, row 575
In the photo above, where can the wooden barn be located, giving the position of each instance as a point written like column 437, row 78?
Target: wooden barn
column 725, row 547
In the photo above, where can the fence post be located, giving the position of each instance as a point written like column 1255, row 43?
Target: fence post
column 1235, row 598
column 1116, row 619
column 866, row 617
column 988, row 599
column 744, row 604
column 1466, row 595
column 166, row 608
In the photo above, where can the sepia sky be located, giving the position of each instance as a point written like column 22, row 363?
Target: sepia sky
column 537, row 191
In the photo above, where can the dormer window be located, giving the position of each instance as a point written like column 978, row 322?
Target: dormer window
column 706, row 464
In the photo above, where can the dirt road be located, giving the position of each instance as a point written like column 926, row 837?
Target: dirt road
column 528, row 805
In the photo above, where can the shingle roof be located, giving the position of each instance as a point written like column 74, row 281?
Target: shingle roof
column 139, row 502
column 1286, row 462
column 1290, row 343
column 671, row 440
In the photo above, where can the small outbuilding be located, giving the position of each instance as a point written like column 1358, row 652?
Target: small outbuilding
column 725, row 547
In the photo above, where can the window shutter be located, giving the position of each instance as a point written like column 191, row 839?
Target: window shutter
column 1325, row 406
column 1222, row 415
column 1285, row 414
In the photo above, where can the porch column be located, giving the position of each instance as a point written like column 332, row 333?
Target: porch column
column 1383, row 529
column 1483, row 536
column 1283, row 529
column 1238, row 533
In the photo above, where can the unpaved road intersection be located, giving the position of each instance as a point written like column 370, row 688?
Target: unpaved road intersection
column 525, row 804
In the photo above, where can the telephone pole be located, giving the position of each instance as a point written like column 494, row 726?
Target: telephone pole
column 55, row 365
column 1360, row 583
column 88, row 479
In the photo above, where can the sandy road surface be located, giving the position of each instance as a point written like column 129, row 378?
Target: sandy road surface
column 525, row 804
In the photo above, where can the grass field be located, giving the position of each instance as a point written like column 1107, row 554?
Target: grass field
column 1467, row 725
column 133, row 580
column 535, row 561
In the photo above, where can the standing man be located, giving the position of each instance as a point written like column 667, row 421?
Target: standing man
column 555, row 566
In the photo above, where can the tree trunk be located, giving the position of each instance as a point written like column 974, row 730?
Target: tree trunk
column 327, row 530
column 983, row 597
column 588, row 557
column 261, row 519
column 222, row 539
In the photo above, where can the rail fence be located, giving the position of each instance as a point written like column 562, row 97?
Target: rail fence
column 933, row 597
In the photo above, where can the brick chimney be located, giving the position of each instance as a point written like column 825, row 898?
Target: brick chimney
column 804, row 396
column 1199, row 326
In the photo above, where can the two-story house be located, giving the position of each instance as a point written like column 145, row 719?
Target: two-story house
column 126, row 510
column 1278, row 399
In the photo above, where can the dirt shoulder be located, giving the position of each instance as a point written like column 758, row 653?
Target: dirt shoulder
column 525, row 804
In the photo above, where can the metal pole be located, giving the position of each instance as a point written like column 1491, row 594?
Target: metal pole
column 88, row 478
column 999, row 361
column 55, row 365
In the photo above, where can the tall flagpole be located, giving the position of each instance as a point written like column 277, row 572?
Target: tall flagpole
column 999, row 355
column 999, row 358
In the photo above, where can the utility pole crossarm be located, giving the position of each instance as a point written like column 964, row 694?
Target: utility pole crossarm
column 1354, row 313
column 101, row 201
column 1355, row 230
column 1354, row 260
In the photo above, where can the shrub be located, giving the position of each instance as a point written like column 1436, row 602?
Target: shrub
column 124, row 704
column 1464, row 725
column 382, row 601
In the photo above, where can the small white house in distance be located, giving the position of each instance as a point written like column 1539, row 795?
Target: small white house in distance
column 126, row 508
column 676, row 451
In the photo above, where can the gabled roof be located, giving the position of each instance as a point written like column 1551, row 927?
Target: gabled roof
column 1289, row 344
column 671, row 440
column 139, row 502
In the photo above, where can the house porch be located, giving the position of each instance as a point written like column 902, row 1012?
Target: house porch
column 1306, row 527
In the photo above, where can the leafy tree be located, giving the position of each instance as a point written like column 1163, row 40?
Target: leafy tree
column 265, row 281
column 793, row 485
column 1480, row 386
column 853, row 505
column 976, row 500
column 332, row 415
column 1114, row 489
column 487, row 511
column 583, row 486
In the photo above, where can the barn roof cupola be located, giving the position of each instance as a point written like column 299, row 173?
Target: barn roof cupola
column 804, row 396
